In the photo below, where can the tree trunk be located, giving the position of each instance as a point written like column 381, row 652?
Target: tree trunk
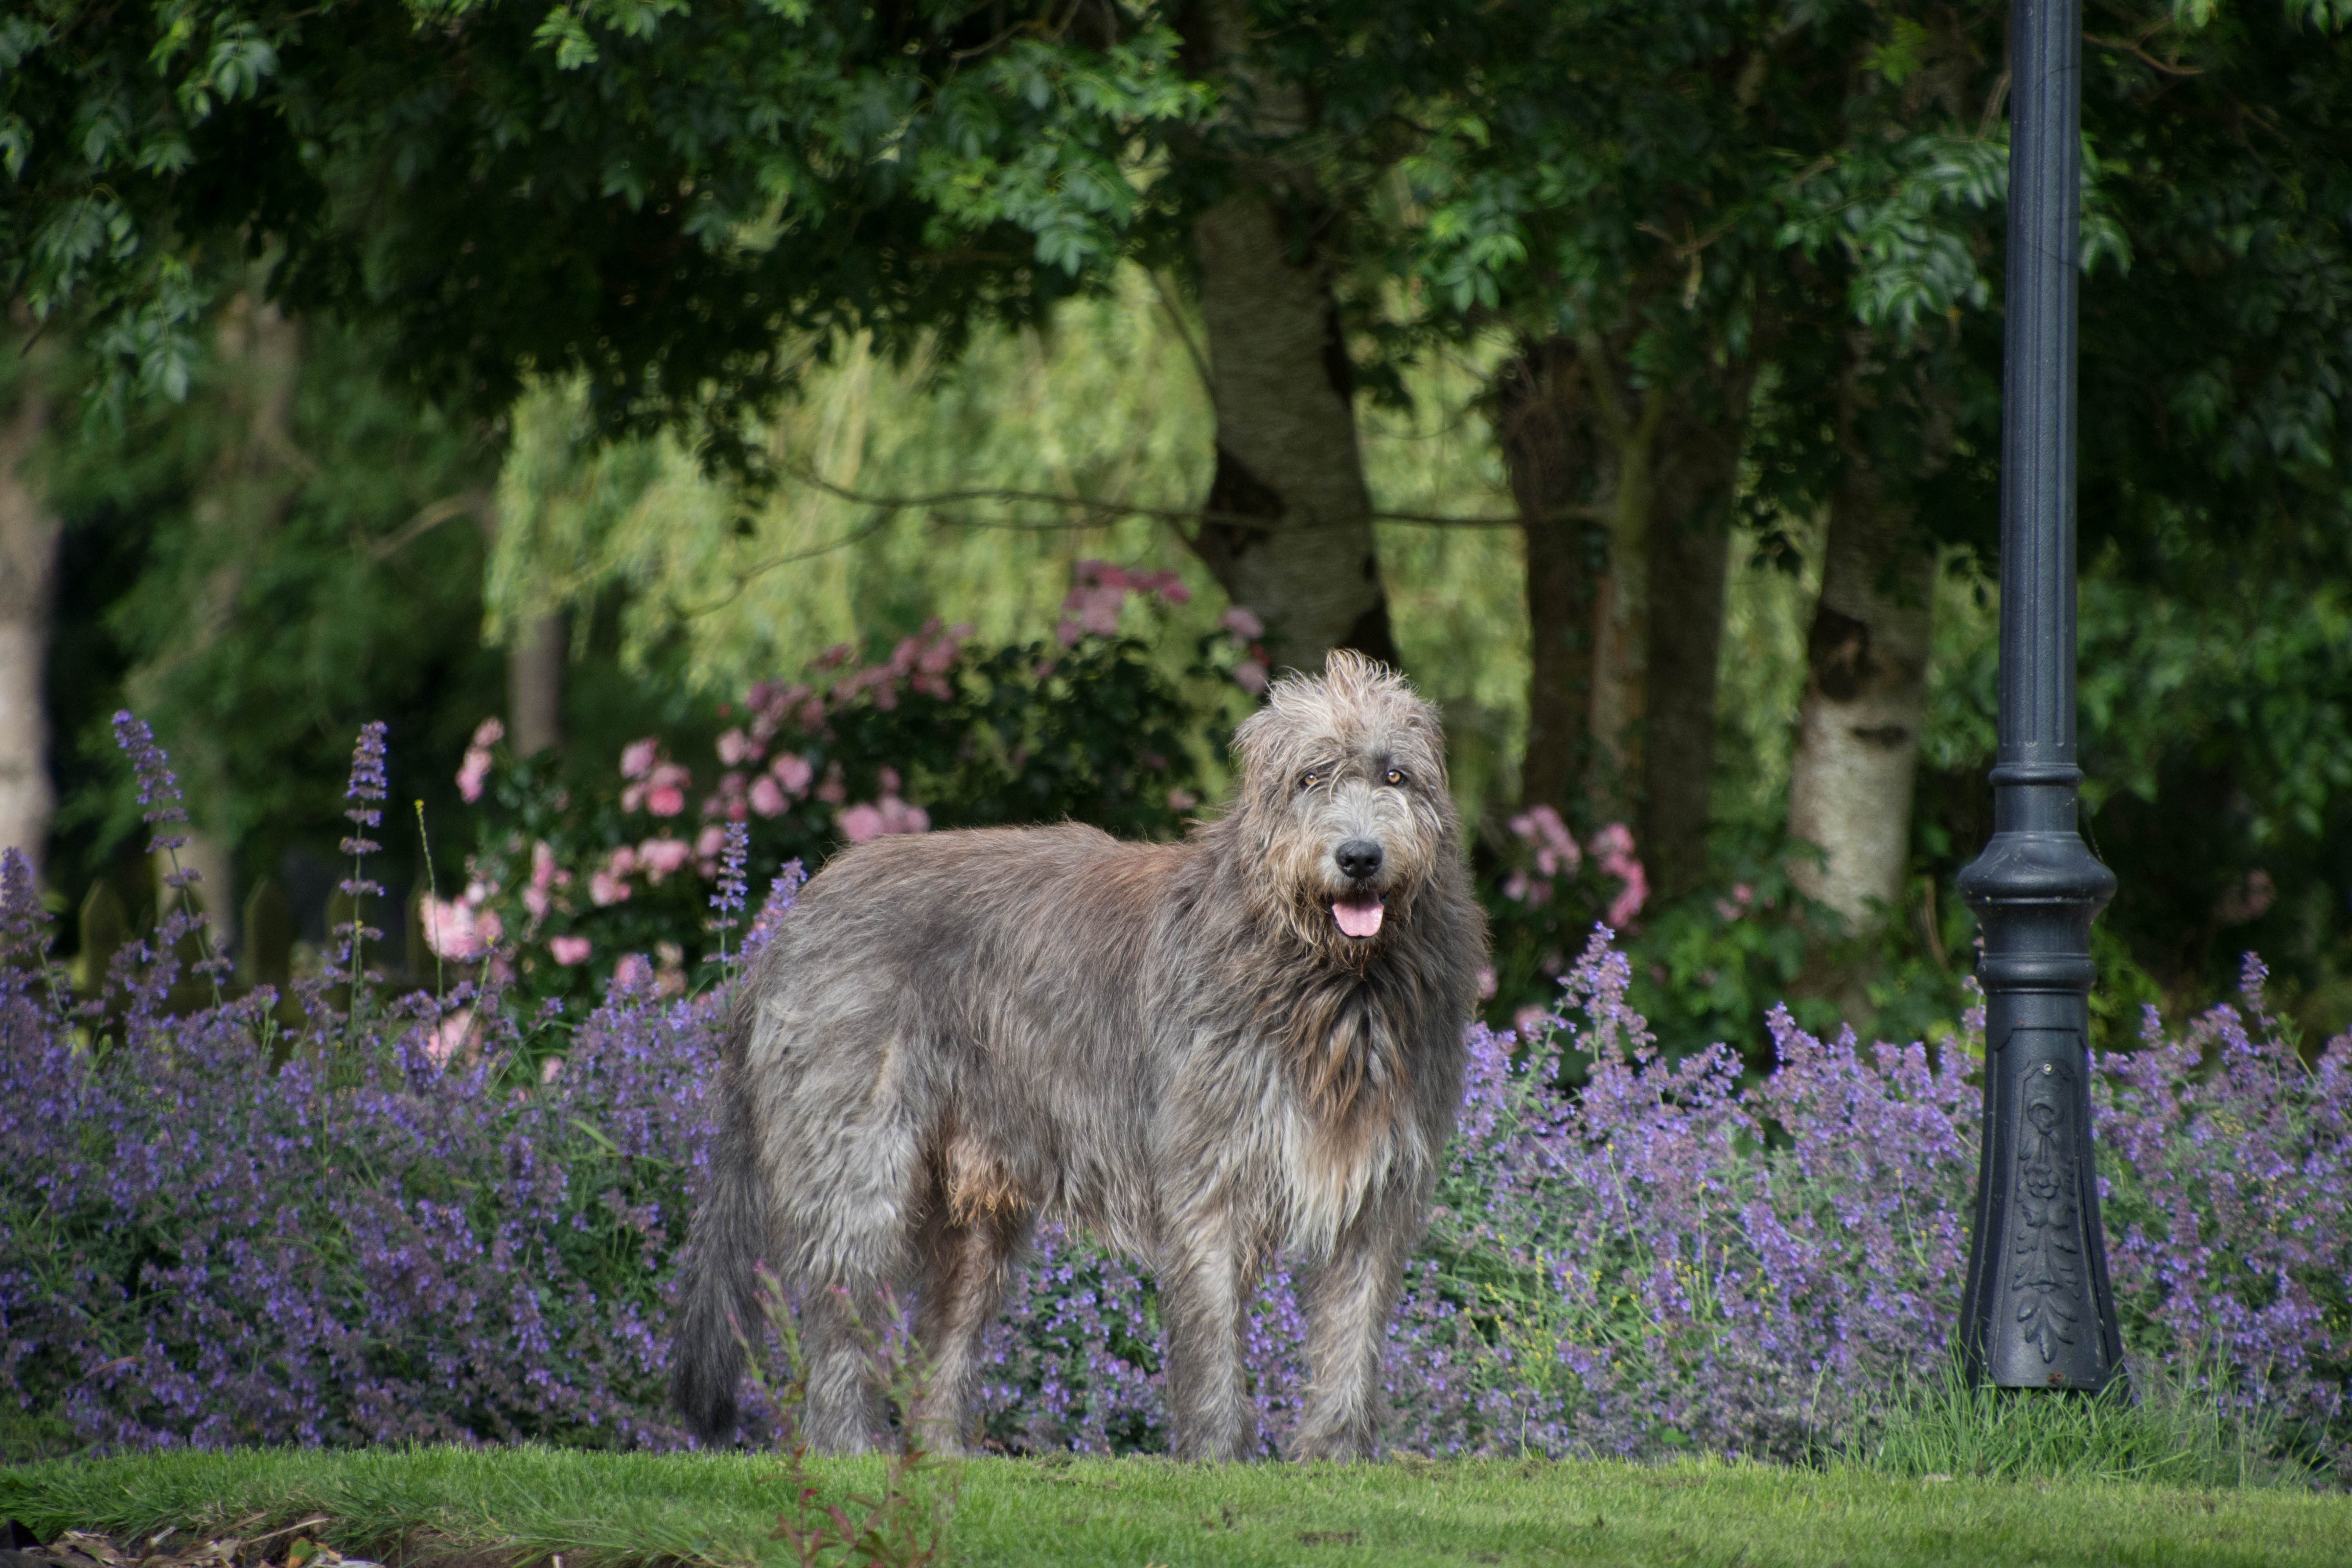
column 28, row 563
column 1695, row 464
column 1865, row 688
column 1280, row 384
column 1543, row 428
column 535, row 685
column 1649, row 476
column 538, row 649
column 1629, row 427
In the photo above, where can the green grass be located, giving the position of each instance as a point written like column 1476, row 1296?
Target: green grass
column 520, row 1505
column 2163, row 1424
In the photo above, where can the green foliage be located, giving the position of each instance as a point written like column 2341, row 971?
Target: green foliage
column 262, row 591
column 654, row 195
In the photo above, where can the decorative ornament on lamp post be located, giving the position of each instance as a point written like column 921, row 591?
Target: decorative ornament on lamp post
column 2037, row 1311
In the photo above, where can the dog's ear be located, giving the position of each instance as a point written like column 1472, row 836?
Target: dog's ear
column 1255, row 741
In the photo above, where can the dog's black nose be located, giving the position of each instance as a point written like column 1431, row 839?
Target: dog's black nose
column 1359, row 857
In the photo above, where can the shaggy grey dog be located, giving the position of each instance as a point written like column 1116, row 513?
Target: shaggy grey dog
column 1207, row 1053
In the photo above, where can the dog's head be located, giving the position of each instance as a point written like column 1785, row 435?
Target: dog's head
column 1343, row 802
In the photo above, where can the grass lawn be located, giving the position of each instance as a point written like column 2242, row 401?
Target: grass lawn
column 518, row 1505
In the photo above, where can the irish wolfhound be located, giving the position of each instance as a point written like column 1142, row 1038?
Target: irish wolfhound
column 1206, row 1052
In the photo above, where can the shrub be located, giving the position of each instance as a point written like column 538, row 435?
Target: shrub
column 579, row 875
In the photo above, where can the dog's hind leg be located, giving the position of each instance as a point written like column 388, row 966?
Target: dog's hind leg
column 846, row 1196
column 966, row 1260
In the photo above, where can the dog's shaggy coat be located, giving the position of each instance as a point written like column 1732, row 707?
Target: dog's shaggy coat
column 1206, row 1052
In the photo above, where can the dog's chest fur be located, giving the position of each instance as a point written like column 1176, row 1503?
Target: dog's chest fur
column 1326, row 1172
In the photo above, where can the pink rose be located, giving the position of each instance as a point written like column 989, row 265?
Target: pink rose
column 605, row 887
column 638, row 757
column 794, row 773
column 666, row 800
column 860, row 823
column 660, row 857
column 767, row 797
column 448, row 1036
column 451, row 930
column 1241, row 624
column 568, row 950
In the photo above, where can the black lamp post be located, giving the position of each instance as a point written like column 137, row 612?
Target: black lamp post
column 2037, row 1311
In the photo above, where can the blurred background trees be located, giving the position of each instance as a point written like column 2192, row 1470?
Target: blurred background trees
column 1629, row 373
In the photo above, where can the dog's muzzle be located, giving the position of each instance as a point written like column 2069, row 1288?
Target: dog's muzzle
column 1357, row 912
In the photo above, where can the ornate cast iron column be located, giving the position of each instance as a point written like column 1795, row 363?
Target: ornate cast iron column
column 2037, row 1311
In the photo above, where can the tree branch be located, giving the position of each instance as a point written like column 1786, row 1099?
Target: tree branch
column 1100, row 510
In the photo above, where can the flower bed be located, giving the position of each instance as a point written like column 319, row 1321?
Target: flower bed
column 445, row 1217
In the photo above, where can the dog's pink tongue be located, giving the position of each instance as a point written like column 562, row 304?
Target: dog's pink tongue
column 1361, row 918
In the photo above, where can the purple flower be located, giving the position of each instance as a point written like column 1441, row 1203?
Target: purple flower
column 159, row 791
column 366, row 786
column 728, row 900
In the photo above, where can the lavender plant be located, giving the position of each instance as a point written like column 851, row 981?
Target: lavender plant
column 452, row 1218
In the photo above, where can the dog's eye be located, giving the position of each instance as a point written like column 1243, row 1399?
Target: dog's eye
column 1308, row 781
column 1396, row 775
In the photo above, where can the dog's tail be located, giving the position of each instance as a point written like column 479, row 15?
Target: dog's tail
column 720, row 1303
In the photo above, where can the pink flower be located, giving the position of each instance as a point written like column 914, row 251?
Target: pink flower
column 638, row 757
column 551, row 1069
column 1101, row 613
column 660, row 857
column 452, row 930
column 475, row 767
column 634, row 972
column 710, row 841
column 1183, row 800
column 2248, row 899
column 766, row 798
column 733, row 747
column 832, row 791
column 1486, row 982
column 664, row 800
column 1066, row 632
column 489, row 929
column 568, row 950
column 603, row 887
column 449, row 1036
column 1556, row 852
column 1241, row 624
column 1250, row 676
column 792, row 770
column 860, row 823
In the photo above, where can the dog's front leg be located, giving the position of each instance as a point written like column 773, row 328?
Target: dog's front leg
column 1205, row 1280
column 1347, row 1298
